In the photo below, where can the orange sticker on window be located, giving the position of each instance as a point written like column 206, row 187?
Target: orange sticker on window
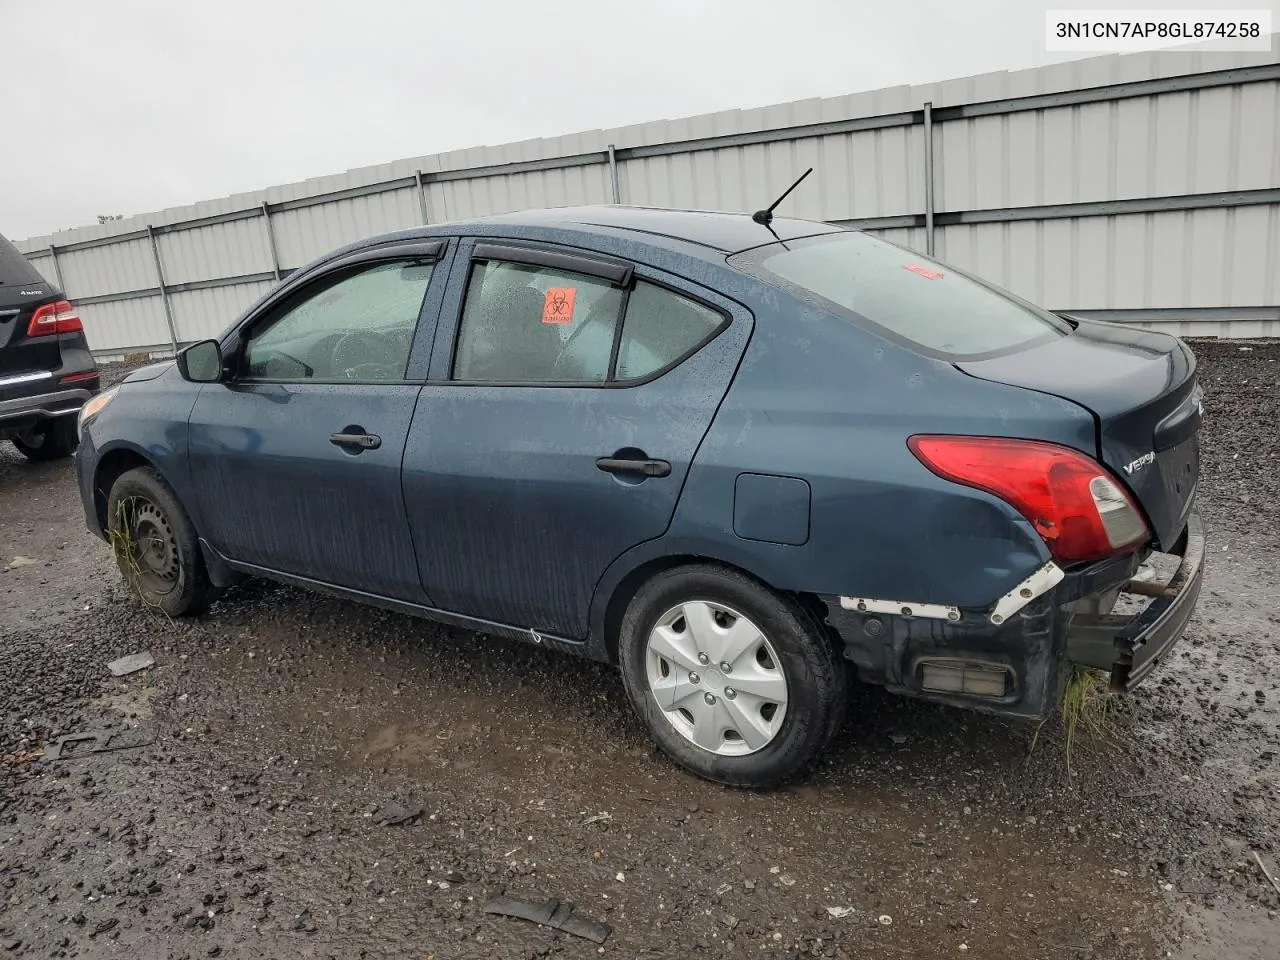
column 923, row 271
column 558, row 306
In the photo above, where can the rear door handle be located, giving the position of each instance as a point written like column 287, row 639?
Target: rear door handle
column 356, row 441
column 635, row 468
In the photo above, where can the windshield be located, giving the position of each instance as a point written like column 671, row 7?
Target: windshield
column 910, row 297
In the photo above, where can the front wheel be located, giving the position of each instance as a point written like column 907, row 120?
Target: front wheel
column 735, row 682
column 48, row 439
column 155, row 544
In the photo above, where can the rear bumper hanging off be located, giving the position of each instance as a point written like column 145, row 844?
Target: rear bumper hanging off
column 1013, row 659
column 1130, row 647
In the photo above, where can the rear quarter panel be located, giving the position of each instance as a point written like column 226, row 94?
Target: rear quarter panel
column 822, row 400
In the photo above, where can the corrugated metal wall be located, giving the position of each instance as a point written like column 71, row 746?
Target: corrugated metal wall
column 1143, row 188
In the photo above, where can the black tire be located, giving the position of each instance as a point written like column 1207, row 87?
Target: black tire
column 49, row 439
column 155, row 544
column 816, row 678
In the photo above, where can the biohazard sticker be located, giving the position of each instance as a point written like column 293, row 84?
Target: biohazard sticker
column 558, row 305
column 924, row 271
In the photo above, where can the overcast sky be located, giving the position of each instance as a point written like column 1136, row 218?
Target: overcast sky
column 129, row 106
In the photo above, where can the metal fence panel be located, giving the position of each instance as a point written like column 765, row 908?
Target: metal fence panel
column 201, row 314
column 45, row 266
column 308, row 232
column 1178, row 260
column 483, row 196
column 122, row 326
column 108, row 269
column 223, row 250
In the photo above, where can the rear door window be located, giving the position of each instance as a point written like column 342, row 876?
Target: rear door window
column 524, row 323
column 661, row 329
column 909, row 297
column 533, row 324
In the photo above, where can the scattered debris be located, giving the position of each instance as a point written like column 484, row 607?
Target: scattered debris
column 76, row 745
column 723, row 889
column 839, row 913
column 898, row 738
column 728, row 919
column 602, row 817
column 550, row 913
column 787, row 880
column 1199, row 889
column 131, row 664
column 104, row 926
column 884, row 920
column 17, row 562
column 1266, row 873
column 620, row 877
column 18, row 759
column 394, row 815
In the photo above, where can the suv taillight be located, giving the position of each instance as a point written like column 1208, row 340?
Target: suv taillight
column 59, row 317
column 1079, row 509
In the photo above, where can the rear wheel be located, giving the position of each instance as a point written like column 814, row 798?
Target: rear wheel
column 155, row 544
column 48, row 439
column 735, row 682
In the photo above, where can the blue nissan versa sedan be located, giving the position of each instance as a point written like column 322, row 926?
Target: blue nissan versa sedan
column 730, row 456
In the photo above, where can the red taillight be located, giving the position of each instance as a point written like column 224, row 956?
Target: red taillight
column 59, row 317
column 1074, row 503
column 79, row 377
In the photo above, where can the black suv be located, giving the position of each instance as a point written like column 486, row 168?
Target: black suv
column 46, row 370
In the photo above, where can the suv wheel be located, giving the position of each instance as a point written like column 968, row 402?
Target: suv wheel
column 735, row 682
column 155, row 544
column 49, row 439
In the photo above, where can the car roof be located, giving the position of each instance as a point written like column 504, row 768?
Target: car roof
column 722, row 232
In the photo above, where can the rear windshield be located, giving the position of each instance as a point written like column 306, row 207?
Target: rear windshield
column 909, row 297
column 14, row 268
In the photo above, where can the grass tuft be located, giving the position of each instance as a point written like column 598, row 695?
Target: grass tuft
column 126, row 552
column 1085, row 702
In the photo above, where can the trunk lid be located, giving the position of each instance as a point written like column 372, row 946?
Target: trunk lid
column 23, row 360
column 1141, row 388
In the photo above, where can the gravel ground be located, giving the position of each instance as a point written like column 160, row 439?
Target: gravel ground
column 282, row 730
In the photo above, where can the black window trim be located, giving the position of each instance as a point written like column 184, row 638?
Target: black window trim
column 570, row 262
column 617, row 272
column 333, row 273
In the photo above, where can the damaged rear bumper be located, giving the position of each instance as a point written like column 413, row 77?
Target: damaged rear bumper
column 1015, row 665
column 1129, row 648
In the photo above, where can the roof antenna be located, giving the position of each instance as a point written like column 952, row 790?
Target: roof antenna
column 765, row 217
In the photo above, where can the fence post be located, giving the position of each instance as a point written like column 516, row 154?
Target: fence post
column 928, row 179
column 271, row 240
column 57, row 270
column 423, row 204
column 613, row 174
column 164, row 291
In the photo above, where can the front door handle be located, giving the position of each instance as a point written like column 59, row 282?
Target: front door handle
column 355, row 442
column 635, row 468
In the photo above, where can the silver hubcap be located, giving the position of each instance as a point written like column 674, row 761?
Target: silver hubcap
column 717, row 678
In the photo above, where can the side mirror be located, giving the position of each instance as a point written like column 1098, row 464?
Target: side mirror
column 201, row 362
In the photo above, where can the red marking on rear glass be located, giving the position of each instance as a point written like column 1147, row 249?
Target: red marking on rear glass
column 923, row 271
